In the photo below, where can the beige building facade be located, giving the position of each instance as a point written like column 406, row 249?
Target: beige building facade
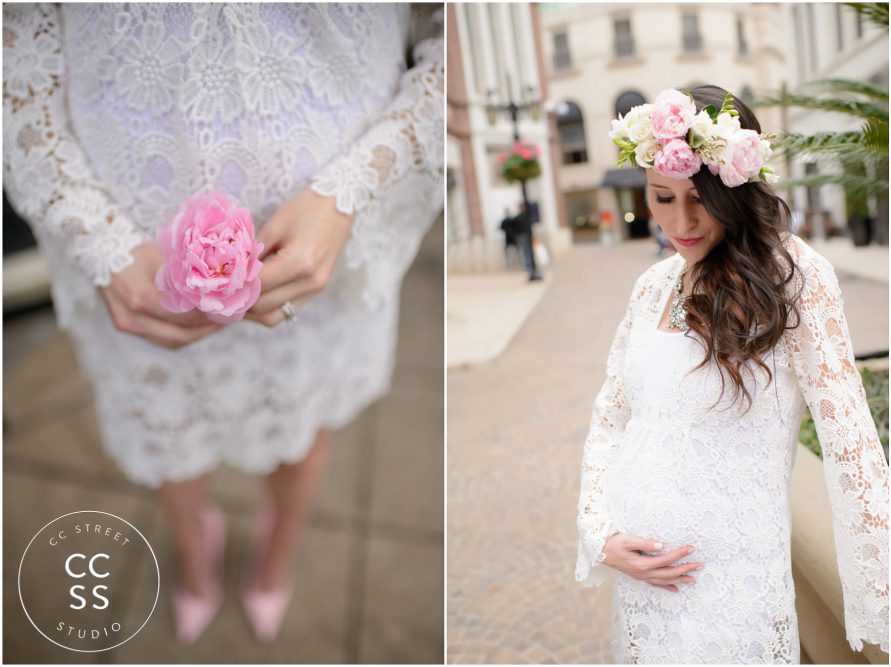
column 601, row 59
column 495, row 56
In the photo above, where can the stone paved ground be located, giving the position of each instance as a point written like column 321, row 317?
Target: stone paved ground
column 369, row 573
column 515, row 431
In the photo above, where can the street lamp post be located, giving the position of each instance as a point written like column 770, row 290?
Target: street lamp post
column 513, row 109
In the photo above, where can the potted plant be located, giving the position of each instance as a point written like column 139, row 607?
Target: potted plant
column 520, row 162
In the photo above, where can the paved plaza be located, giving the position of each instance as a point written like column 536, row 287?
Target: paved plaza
column 369, row 571
column 516, row 426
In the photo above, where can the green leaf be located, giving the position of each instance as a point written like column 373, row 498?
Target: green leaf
column 694, row 139
column 711, row 111
column 727, row 106
column 875, row 136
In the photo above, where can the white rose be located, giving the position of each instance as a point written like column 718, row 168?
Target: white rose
column 618, row 131
column 645, row 153
column 702, row 125
column 725, row 126
column 639, row 123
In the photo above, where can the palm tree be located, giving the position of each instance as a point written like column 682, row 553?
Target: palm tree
column 862, row 154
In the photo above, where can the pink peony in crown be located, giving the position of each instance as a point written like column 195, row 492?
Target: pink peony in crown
column 672, row 138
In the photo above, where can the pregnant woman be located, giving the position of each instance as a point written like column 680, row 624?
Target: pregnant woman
column 325, row 122
column 686, row 468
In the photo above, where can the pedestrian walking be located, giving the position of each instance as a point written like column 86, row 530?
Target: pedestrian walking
column 510, row 237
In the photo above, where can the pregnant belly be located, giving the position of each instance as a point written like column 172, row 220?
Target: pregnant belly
column 674, row 489
column 668, row 488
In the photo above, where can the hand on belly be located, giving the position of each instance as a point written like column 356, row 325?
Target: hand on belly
column 628, row 554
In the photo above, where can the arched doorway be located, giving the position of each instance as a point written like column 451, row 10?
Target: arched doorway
column 571, row 125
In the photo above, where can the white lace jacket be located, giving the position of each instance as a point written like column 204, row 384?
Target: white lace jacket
column 816, row 359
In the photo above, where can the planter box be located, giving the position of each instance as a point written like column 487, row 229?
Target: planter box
column 818, row 591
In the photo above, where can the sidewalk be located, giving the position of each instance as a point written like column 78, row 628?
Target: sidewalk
column 486, row 310
column 516, row 427
column 866, row 262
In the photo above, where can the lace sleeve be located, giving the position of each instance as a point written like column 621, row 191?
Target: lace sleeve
column 390, row 179
column 854, row 465
column 45, row 171
column 610, row 414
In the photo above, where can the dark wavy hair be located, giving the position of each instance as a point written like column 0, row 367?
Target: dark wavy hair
column 739, row 303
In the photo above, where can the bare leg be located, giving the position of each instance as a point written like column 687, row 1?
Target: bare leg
column 182, row 503
column 293, row 488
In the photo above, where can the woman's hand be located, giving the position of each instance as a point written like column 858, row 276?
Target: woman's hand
column 623, row 552
column 303, row 241
column 135, row 305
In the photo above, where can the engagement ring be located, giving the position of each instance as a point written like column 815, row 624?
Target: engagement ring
column 290, row 311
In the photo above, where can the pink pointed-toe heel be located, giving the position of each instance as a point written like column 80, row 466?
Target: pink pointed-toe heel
column 265, row 610
column 193, row 613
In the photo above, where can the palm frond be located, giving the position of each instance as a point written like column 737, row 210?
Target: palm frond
column 836, row 86
column 846, row 146
column 853, row 184
column 875, row 12
column 875, row 136
column 857, row 108
column 822, row 141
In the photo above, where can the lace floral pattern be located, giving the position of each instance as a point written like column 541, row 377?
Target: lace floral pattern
column 113, row 114
column 669, row 468
column 399, row 154
column 43, row 166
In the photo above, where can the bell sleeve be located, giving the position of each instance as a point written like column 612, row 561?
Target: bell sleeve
column 391, row 178
column 46, row 174
column 854, row 465
column 608, row 419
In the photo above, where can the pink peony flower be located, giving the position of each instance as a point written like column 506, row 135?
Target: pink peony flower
column 673, row 114
column 211, row 259
column 677, row 160
column 502, row 158
column 743, row 158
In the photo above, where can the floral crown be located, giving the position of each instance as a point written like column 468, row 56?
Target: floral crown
column 673, row 139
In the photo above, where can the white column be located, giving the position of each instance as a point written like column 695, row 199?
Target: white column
column 458, row 219
column 505, row 29
column 526, row 39
column 548, row 203
column 484, row 185
column 480, row 16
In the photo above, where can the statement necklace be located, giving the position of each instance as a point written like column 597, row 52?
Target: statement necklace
column 677, row 314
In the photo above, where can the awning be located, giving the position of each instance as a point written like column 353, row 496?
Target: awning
column 631, row 177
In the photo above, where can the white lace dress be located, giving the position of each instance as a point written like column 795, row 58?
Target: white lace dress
column 659, row 464
column 115, row 113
